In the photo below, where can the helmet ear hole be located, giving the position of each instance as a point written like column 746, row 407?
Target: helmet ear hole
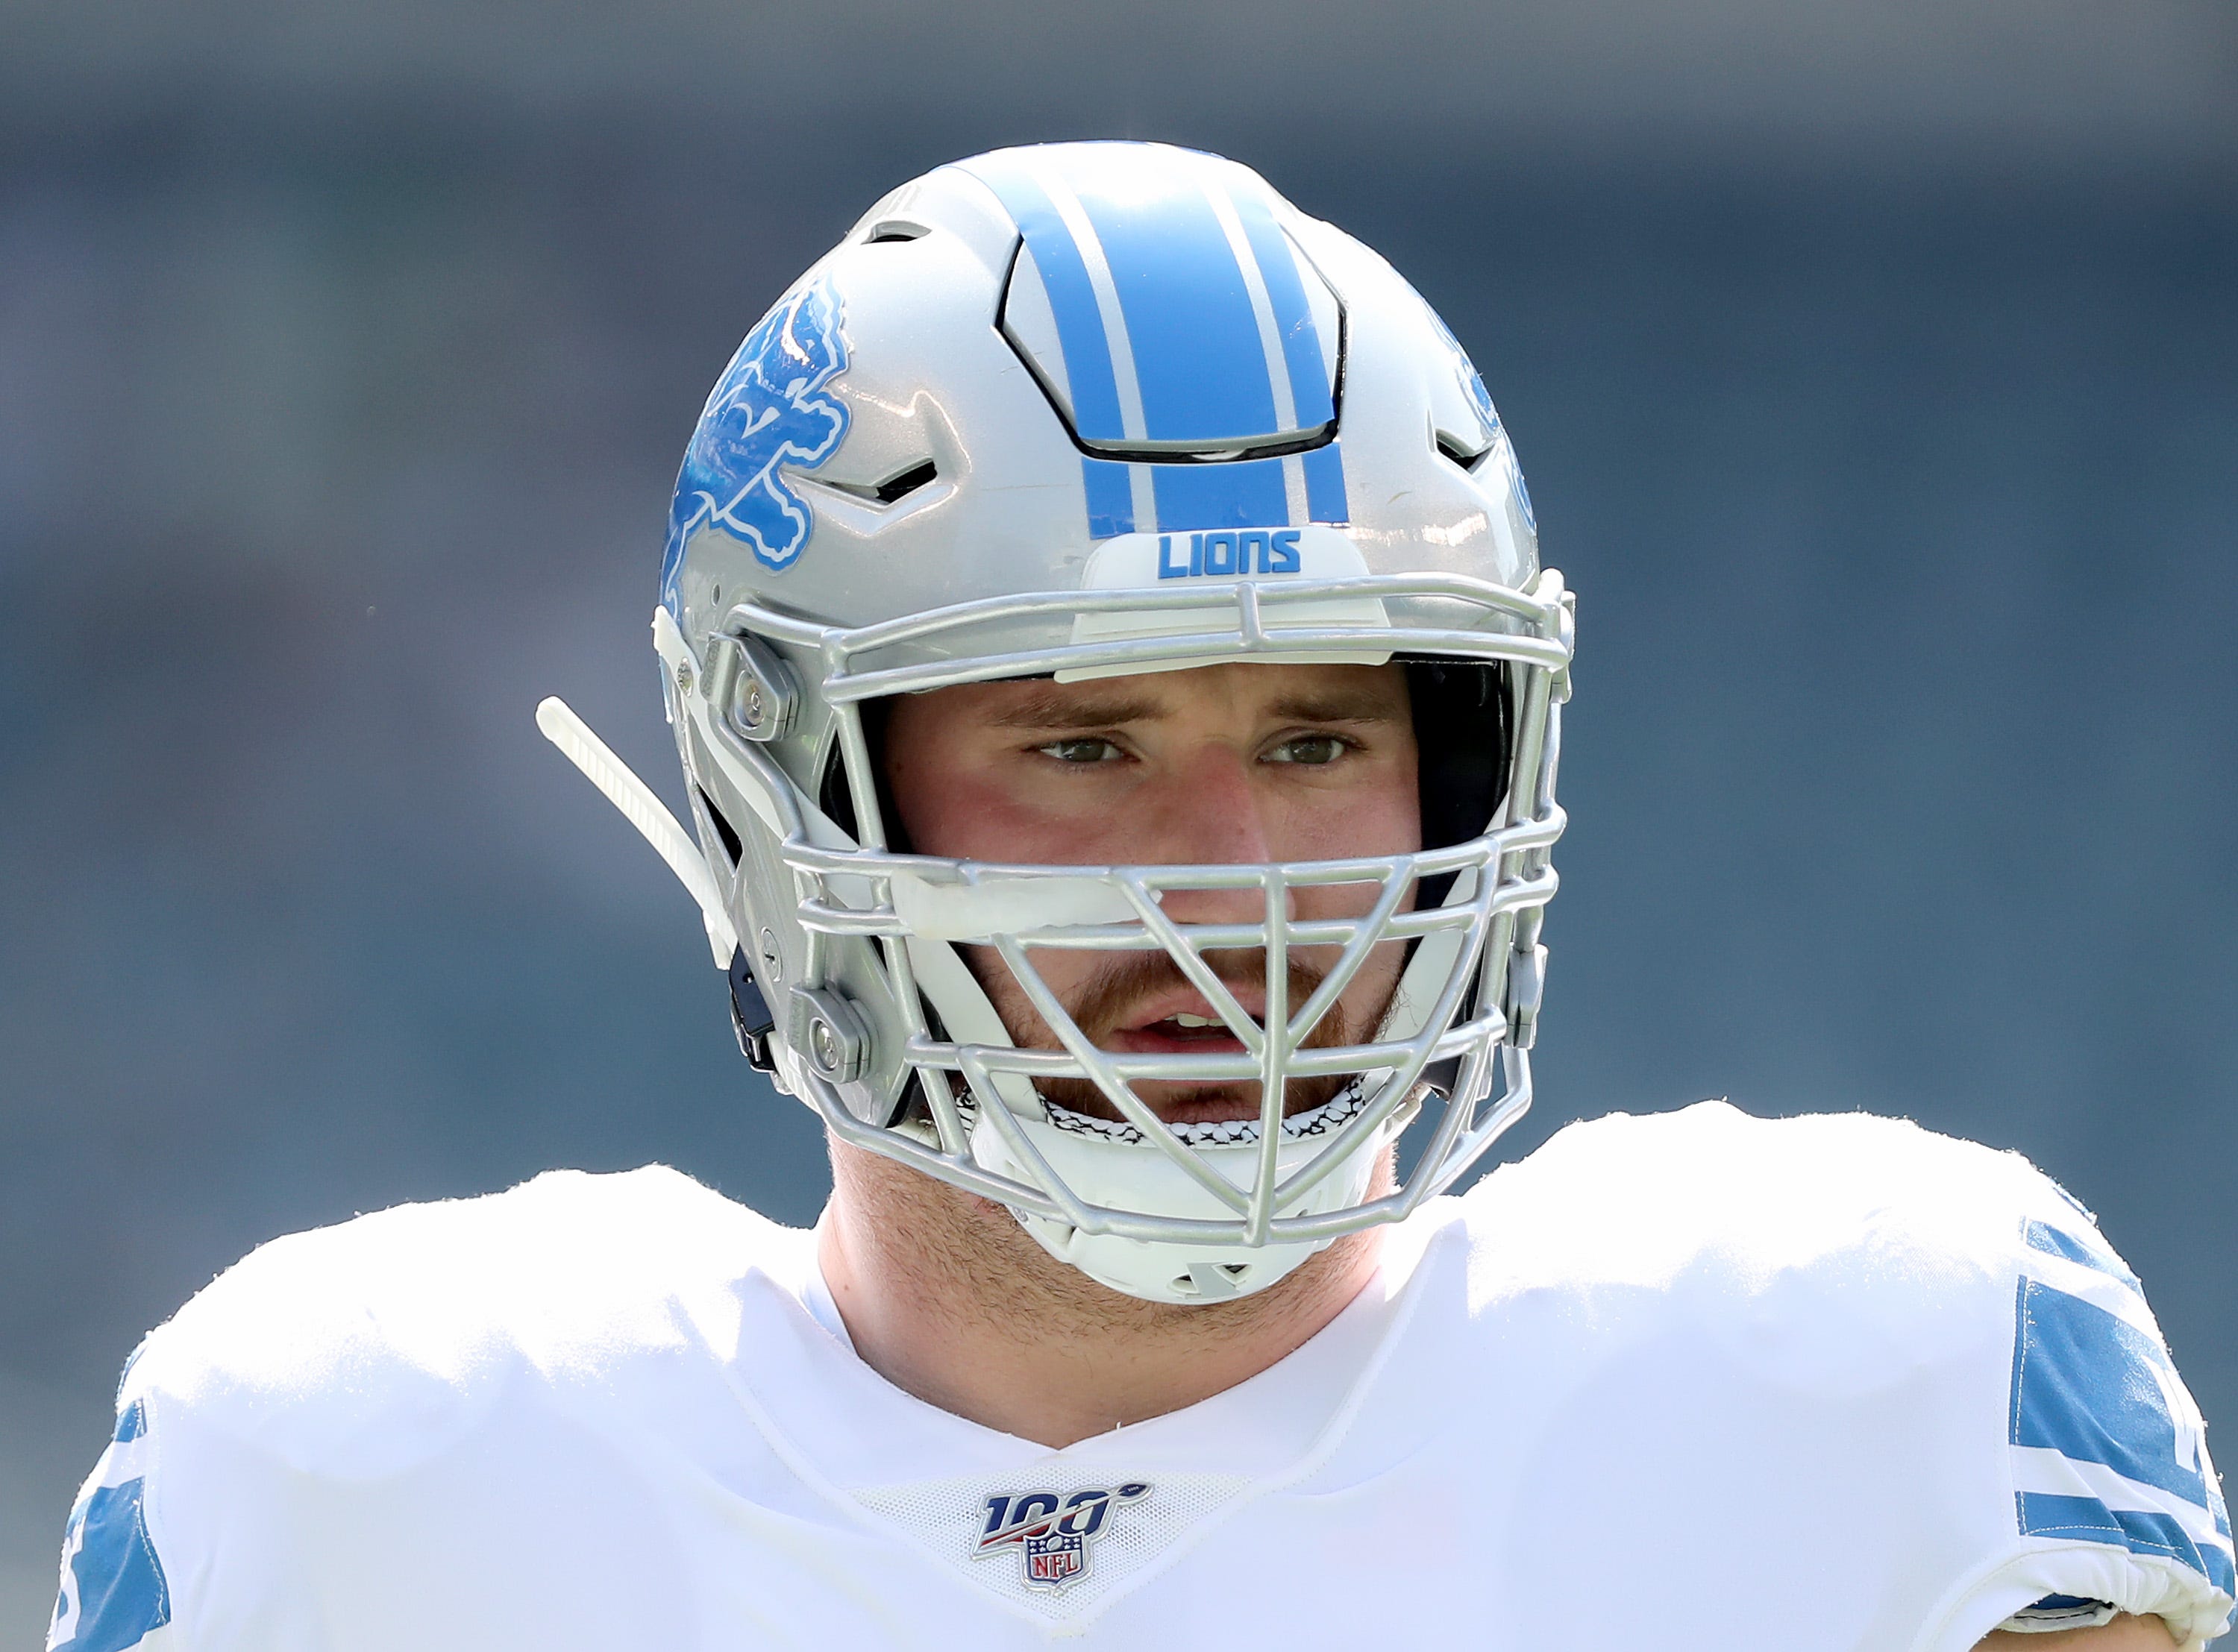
column 1461, row 746
column 1461, row 710
column 835, row 792
column 835, row 797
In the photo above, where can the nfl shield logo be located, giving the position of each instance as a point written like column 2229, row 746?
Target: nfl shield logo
column 1049, row 1531
column 1055, row 1558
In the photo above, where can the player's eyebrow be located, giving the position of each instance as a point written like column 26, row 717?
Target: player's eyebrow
column 1362, row 705
column 1056, row 708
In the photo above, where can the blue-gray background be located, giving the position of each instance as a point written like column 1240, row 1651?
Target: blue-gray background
column 1875, row 370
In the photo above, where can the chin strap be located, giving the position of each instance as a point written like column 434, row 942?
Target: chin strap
column 654, row 823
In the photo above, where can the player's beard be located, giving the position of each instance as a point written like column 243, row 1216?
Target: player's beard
column 1100, row 1007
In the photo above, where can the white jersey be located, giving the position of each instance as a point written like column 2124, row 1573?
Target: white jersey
column 1689, row 1381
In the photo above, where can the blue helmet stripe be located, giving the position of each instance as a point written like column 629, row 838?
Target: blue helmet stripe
column 1071, row 295
column 1110, row 496
column 1199, row 365
column 1302, row 346
column 1180, row 310
column 1325, row 495
column 1247, row 494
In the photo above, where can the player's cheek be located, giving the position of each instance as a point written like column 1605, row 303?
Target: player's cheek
column 1062, row 970
column 1020, row 813
column 1363, row 1000
column 1370, row 816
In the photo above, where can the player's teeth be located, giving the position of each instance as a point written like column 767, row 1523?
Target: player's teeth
column 1194, row 1021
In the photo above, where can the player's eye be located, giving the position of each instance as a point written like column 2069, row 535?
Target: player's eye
column 1313, row 748
column 1082, row 750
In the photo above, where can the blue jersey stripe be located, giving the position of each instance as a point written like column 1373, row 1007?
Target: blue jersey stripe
column 2143, row 1532
column 2088, row 1384
column 1071, row 296
column 2056, row 1242
column 1248, row 493
column 1325, row 496
column 1302, row 346
column 120, row 1591
column 1110, row 496
column 1198, row 363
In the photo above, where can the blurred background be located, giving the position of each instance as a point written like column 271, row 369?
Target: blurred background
column 1875, row 367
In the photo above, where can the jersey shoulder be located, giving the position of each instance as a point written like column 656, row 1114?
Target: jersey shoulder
column 398, row 1327
column 1942, row 1311
column 1642, row 1196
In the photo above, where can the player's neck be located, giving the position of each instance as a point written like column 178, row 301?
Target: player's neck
column 946, row 1296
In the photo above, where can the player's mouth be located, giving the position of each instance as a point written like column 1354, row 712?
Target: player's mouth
column 1183, row 1024
column 1151, row 1009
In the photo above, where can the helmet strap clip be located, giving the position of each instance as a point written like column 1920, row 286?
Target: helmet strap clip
column 749, row 1015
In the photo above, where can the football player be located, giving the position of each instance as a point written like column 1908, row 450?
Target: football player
column 1119, row 703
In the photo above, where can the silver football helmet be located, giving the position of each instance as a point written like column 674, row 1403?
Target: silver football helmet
column 1087, row 410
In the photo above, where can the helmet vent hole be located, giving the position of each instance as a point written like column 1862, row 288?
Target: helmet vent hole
column 896, row 488
column 1459, row 452
column 894, row 230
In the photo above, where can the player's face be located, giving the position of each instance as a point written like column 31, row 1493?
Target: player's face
column 1224, row 764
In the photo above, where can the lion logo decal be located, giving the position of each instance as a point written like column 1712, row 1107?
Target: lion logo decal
column 770, row 411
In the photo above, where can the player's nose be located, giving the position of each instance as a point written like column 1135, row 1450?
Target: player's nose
column 1208, row 813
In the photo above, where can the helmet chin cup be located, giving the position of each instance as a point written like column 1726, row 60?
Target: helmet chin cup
column 888, row 496
column 1171, row 1270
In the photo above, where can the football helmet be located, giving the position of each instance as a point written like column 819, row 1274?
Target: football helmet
column 1084, row 410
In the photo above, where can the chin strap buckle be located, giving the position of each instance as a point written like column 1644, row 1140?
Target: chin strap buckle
column 749, row 1015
